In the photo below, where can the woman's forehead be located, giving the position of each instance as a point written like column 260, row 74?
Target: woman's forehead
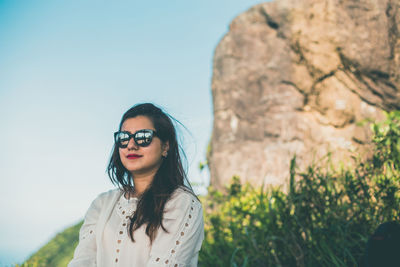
column 137, row 123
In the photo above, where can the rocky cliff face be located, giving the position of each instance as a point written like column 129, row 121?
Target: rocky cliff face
column 294, row 77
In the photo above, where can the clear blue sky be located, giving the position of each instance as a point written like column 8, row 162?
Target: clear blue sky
column 68, row 70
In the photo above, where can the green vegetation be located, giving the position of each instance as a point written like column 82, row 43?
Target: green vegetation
column 58, row 252
column 324, row 218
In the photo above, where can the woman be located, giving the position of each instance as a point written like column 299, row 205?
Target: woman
column 153, row 218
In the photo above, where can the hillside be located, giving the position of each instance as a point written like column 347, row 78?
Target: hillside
column 58, row 251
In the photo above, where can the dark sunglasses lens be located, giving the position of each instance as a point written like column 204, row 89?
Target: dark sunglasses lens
column 122, row 139
column 143, row 138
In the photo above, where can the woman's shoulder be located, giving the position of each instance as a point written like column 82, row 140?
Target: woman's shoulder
column 184, row 192
column 183, row 196
column 105, row 196
column 99, row 203
column 182, row 202
column 109, row 193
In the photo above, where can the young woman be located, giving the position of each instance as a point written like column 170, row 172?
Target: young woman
column 153, row 218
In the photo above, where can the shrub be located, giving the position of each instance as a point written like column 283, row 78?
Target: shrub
column 324, row 219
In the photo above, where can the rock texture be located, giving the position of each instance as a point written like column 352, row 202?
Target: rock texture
column 294, row 77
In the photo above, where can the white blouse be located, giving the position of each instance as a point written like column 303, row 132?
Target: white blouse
column 183, row 219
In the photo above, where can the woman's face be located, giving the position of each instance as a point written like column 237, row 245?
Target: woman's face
column 142, row 161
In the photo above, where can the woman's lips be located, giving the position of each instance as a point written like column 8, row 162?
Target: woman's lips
column 134, row 156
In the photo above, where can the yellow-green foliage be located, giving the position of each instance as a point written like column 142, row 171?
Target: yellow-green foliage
column 324, row 220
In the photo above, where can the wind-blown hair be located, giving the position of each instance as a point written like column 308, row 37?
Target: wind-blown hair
column 169, row 176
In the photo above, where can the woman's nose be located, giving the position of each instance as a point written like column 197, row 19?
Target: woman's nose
column 132, row 144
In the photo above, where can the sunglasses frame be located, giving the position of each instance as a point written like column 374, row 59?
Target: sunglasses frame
column 135, row 139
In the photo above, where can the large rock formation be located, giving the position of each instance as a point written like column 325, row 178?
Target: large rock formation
column 294, row 76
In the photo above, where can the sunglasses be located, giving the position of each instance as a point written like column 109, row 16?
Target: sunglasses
column 142, row 138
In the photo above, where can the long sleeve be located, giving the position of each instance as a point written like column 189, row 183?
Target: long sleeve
column 85, row 252
column 183, row 219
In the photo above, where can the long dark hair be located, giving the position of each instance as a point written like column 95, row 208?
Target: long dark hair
column 168, row 177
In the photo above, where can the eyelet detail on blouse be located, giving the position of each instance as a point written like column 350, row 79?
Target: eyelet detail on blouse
column 181, row 234
column 126, row 208
column 86, row 234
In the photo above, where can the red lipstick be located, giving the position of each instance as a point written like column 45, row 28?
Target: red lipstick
column 134, row 156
